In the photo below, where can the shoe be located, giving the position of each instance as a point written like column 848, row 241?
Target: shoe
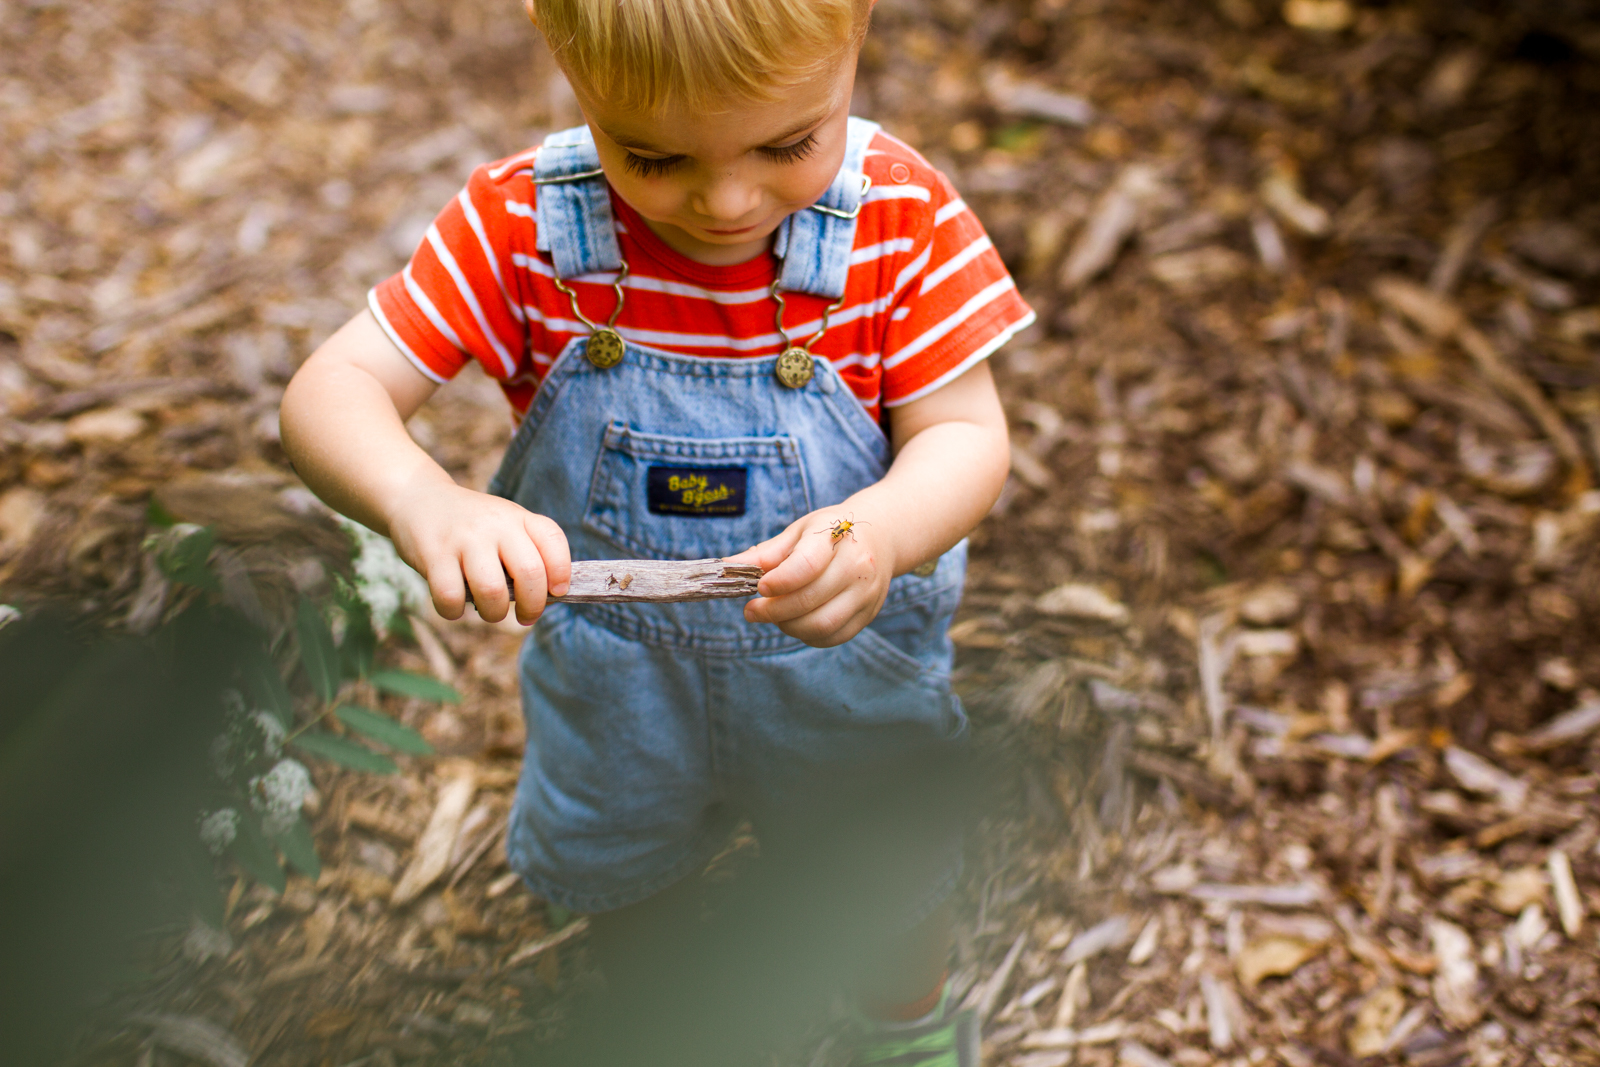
column 946, row 1037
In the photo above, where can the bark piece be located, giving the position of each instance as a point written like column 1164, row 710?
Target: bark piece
column 439, row 836
column 1569, row 906
column 1113, row 221
column 197, row 1038
column 1274, row 956
column 534, row 949
column 655, row 581
column 1455, row 984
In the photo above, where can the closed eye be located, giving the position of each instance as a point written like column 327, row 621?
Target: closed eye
column 791, row 153
column 650, row 167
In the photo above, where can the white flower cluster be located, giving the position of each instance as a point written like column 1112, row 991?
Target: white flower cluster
column 272, row 732
column 279, row 793
column 218, row 829
column 384, row 582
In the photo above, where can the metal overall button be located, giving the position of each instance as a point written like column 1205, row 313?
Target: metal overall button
column 796, row 366
column 605, row 348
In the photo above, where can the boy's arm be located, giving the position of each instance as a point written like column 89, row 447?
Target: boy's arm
column 951, row 457
column 343, row 426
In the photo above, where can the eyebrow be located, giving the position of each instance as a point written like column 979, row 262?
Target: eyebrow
column 795, row 131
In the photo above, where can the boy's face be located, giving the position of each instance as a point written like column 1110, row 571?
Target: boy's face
column 714, row 186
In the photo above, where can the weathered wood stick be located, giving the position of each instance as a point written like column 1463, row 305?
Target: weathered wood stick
column 655, row 581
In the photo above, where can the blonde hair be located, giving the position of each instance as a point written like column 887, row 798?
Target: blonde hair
column 643, row 54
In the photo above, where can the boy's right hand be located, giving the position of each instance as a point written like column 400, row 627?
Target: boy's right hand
column 458, row 539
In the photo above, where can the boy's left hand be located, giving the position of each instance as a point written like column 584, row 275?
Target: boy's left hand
column 820, row 587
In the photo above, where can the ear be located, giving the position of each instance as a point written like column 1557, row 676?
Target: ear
column 527, row 7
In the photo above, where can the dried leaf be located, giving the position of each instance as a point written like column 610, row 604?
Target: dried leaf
column 1569, row 906
column 1079, row 601
column 1455, row 983
column 1274, row 956
column 438, row 837
column 197, row 1038
column 1375, row 1018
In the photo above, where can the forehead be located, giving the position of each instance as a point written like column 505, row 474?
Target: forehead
column 732, row 123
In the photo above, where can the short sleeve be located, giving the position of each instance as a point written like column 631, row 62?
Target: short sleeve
column 958, row 306
column 457, row 300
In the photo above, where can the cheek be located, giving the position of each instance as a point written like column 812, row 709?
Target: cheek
column 807, row 182
column 651, row 198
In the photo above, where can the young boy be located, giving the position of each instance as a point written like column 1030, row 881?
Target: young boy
column 726, row 315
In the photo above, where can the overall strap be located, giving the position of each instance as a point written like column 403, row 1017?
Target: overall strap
column 815, row 244
column 574, row 206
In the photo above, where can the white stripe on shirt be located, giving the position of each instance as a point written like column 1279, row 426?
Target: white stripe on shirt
column 471, row 213
column 646, row 284
column 986, row 295
column 896, row 192
column 955, row 263
column 881, row 249
column 394, row 335
column 514, row 162
column 471, row 298
column 983, row 352
column 911, row 270
column 425, row 305
column 949, row 211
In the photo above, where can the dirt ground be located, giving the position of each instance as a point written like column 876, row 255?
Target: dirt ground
column 1288, row 614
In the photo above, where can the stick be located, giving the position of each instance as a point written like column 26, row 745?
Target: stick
column 654, row 581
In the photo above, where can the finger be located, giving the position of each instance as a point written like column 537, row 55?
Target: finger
column 487, row 580
column 526, row 569
column 449, row 592
column 833, row 624
column 554, row 552
column 769, row 554
column 801, row 602
column 805, row 559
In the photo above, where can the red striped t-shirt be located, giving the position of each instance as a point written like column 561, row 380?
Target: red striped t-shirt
column 927, row 295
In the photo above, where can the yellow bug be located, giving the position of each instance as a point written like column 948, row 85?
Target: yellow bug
column 839, row 527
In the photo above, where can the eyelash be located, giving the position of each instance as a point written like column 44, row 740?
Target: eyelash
column 647, row 167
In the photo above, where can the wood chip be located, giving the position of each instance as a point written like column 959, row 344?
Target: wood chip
column 1455, row 983
column 432, row 854
column 195, row 1037
column 535, row 949
column 1274, row 956
column 1114, row 218
column 1569, row 906
column 1272, row 896
column 1111, row 933
column 988, row 995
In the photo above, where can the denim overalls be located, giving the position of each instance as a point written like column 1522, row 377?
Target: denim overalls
column 652, row 728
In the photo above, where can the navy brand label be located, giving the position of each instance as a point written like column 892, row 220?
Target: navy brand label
column 704, row 492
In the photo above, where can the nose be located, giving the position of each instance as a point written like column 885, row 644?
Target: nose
column 727, row 197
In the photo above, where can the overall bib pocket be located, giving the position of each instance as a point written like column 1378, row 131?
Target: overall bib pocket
column 665, row 497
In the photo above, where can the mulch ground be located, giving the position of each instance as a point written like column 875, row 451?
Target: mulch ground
column 1286, row 622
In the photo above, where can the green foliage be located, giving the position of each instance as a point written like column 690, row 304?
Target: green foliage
column 254, row 853
column 405, row 683
column 383, row 730
column 256, row 817
column 319, row 656
column 183, row 554
column 344, row 752
column 299, row 849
